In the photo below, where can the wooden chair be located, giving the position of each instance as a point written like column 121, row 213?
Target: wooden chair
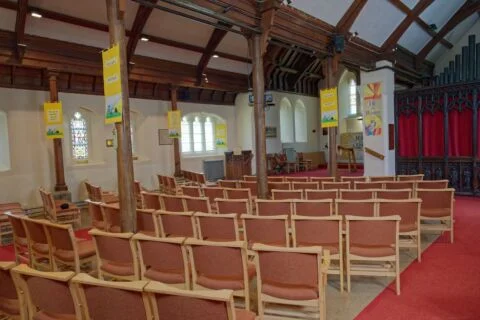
column 112, row 300
column 303, row 164
column 411, row 177
column 320, row 180
column 278, row 186
column 252, row 185
column 112, row 216
column 396, row 194
column 357, row 194
column 11, row 306
column 274, row 207
column 352, row 180
column 368, row 185
column 176, row 224
column 192, row 191
column 287, row 194
column 217, row 227
column 335, row 185
column 238, row 193
column 270, row 230
column 409, row 229
column 321, row 231
column 200, row 204
column 46, row 295
column 321, row 194
column 172, row 203
column 213, row 193
column 6, row 232
column 290, row 276
column 437, row 206
column 163, row 260
column 147, row 223
column 96, row 215
column 305, row 185
column 313, row 208
column 67, row 250
column 116, row 255
column 237, row 206
column 96, row 194
column 54, row 212
column 382, row 178
column 276, row 179
column 38, row 244
column 249, row 178
column 432, row 184
column 296, row 179
column 175, row 304
column 221, row 265
column 372, row 240
column 151, row 200
column 162, row 183
column 137, row 187
column 395, row 185
column 20, row 238
column 173, row 187
column 227, row 183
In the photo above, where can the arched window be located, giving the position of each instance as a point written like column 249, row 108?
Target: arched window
column 209, row 134
column 186, row 135
column 198, row 132
column 4, row 144
column 79, row 137
column 286, row 121
column 133, row 132
column 353, row 97
column 300, row 122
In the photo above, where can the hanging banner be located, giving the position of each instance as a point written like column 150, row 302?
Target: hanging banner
column 53, row 116
column 174, row 124
column 221, row 135
column 329, row 107
column 372, row 109
column 112, row 85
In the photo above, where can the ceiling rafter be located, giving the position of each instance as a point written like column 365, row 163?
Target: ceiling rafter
column 347, row 20
column 412, row 15
column 141, row 17
column 20, row 22
column 267, row 13
column 468, row 8
column 425, row 26
column 313, row 61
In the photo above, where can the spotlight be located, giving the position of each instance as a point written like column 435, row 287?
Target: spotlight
column 144, row 39
column 36, row 15
column 215, row 56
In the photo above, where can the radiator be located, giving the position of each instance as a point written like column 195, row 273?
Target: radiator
column 213, row 169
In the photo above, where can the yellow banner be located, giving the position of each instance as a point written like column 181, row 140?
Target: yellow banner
column 112, row 85
column 329, row 108
column 174, row 124
column 372, row 109
column 221, row 135
column 53, row 117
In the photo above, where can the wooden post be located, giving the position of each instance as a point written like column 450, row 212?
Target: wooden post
column 255, row 46
column 331, row 69
column 116, row 28
column 60, row 184
column 176, row 142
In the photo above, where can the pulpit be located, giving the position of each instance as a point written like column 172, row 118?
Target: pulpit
column 238, row 165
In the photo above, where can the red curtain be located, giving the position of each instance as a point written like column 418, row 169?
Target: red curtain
column 460, row 126
column 433, row 133
column 408, row 135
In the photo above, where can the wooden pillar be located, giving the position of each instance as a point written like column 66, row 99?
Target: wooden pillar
column 255, row 45
column 176, row 142
column 331, row 66
column 60, row 184
column 116, row 28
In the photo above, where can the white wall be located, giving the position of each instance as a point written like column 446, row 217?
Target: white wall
column 32, row 154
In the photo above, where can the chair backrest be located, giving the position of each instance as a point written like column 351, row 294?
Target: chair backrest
column 176, row 304
column 252, row 185
column 368, row 185
column 240, row 193
column 63, row 242
column 163, row 259
column 94, row 192
column 357, row 194
column 315, row 208
column 363, row 208
column 249, row 178
column 279, row 186
column 287, row 194
column 172, row 185
column 396, row 194
column 382, row 178
column 217, row 227
column 172, row 203
column 96, row 215
column 200, row 179
column 9, row 301
column 317, row 231
column 137, row 188
column 151, row 200
column 146, row 222
column 48, row 295
column 436, row 198
column 192, row 191
column 213, row 193
column 335, row 185
column 395, row 185
column 352, row 180
column 320, row 180
column 161, row 182
column 276, row 179
column 36, row 232
column 227, row 183
column 48, row 203
column 411, row 177
column 271, row 230
column 238, row 206
column 18, row 227
column 112, row 300
column 113, row 218
column 176, row 224
column 321, row 194
column 305, row 185
column 273, row 207
column 198, row 204
column 407, row 210
column 296, row 179
column 432, row 184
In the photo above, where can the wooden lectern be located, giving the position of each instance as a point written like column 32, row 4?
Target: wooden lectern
column 238, row 165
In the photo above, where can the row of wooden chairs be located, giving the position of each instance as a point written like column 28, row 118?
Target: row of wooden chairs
column 195, row 178
column 95, row 193
column 414, row 177
column 168, row 184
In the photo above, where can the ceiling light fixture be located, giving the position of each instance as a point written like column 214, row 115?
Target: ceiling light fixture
column 215, row 56
column 144, row 39
column 36, row 15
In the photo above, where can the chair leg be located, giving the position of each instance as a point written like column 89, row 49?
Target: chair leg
column 419, row 249
column 348, row 275
column 341, row 273
column 397, row 280
column 451, row 231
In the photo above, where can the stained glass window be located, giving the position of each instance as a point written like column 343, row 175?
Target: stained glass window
column 198, row 133
column 79, row 131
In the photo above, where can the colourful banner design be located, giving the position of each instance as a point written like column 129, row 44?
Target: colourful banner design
column 53, row 116
column 174, row 124
column 112, row 85
column 329, row 108
column 372, row 109
column 221, row 135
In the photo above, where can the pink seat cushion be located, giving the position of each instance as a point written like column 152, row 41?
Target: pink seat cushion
column 372, row 251
column 9, row 306
column 119, row 269
column 435, row 213
column 86, row 249
column 166, row 277
column 46, row 316
column 290, row 292
column 233, row 284
column 241, row 314
column 408, row 227
column 40, row 248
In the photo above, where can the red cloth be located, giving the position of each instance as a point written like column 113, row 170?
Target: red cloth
column 408, row 135
column 433, row 133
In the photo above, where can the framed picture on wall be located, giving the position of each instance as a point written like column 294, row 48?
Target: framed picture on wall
column 163, row 138
column 270, row 132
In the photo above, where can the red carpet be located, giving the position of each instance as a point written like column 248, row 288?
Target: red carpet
column 446, row 284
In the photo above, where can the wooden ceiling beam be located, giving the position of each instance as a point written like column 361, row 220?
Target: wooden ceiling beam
column 347, row 20
column 22, row 11
column 465, row 11
column 412, row 15
column 141, row 17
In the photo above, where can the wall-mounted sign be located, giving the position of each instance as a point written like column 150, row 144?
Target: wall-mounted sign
column 268, row 98
column 372, row 109
column 221, row 135
column 174, row 124
column 53, row 116
column 112, row 85
column 329, row 108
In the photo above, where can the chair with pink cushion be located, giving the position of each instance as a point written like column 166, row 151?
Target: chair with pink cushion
column 362, row 208
column 352, row 180
column 151, row 200
column 111, row 300
column 432, row 184
column 96, row 215
column 20, row 239
column 305, row 185
column 176, row 224
column 278, row 186
column 270, row 230
column 372, row 247
column 382, row 178
column 46, row 295
column 368, row 185
column 313, row 208
column 276, row 179
column 296, row 179
column 394, row 194
column 116, row 255
column 274, row 207
column 112, row 215
column 172, row 203
column 238, row 193
column 290, row 277
column 217, row 227
column 38, row 244
column 213, row 193
column 147, row 223
column 321, row 194
column 396, row 185
column 163, row 260
column 59, row 211
column 192, row 191
column 10, row 304
column 197, row 204
column 357, row 194
column 287, row 194
column 321, row 180
column 437, row 210
column 252, row 185
column 335, row 185
column 227, row 183
column 410, row 177
column 221, row 265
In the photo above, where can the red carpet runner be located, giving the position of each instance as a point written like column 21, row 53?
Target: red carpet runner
column 446, row 284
